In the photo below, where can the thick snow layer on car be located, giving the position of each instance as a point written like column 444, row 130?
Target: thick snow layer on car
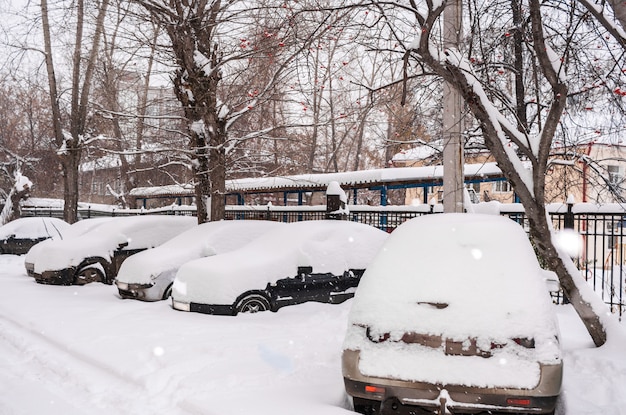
column 33, row 228
column 327, row 246
column 460, row 277
column 73, row 231
column 203, row 240
column 138, row 232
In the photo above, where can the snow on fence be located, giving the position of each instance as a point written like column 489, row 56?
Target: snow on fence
column 602, row 261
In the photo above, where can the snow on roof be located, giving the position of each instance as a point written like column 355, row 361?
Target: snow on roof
column 173, row 189
column 320, row 181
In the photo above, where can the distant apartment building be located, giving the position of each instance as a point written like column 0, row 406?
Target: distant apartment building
column 592, row 172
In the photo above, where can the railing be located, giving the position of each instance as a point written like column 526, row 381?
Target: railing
column 602, row 261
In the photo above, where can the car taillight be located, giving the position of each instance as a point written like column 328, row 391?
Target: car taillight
column 518, row 401
column 374, row 389
column 525, row 342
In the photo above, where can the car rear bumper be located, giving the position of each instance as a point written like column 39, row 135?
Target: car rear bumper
column 402, row 397
column 222, row 310
column 59, row 277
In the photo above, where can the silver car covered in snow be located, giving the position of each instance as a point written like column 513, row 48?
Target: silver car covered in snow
column 453, row 316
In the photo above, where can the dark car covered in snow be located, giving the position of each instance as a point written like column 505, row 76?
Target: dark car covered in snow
column 19, row 235
column 97, row 255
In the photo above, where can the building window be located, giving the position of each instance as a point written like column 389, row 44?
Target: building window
column 615, row 174
column 502, row 187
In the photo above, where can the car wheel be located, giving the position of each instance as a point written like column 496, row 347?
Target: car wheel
column 88, row 275
column 253, row 303
column 366, row 406
column 168, row 292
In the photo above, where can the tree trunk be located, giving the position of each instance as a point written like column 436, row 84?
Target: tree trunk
column 218, row 174
column 70, row 163
column 541, row 235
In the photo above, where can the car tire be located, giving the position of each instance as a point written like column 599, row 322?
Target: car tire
column 366, row 406
column 253, row 303
column 88, row 275
column 168, row 291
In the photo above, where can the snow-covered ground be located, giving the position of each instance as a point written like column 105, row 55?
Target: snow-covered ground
column 82, row 350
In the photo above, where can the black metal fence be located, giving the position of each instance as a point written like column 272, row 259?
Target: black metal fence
column 602, row 261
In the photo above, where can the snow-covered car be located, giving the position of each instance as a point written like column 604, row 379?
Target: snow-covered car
column 149, row 275
column 76, row 229
column 299, row 262
column 19, row 235
column 453, row 316
column 97, row 254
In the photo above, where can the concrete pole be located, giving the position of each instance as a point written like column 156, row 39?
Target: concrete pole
column 453, row 160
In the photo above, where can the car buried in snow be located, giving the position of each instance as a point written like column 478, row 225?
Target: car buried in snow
column 320, row 260
column 453, row 316
column 74, row 230
column 97, row 255
column 20, row 235
column 149, row 275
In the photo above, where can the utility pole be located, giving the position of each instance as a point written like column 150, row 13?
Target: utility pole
column 453, row 160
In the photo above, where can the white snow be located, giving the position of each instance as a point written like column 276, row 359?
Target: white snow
column 335, row 189
column 101, row 241
column 204, row 240
column 198, row 127
column 83, row 351
column 72, row 231
column 322, row 180
column 33, row 228
column 202, row 62
column 327, row 246
column 22, row 182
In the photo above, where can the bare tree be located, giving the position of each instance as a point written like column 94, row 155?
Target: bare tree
column 71, row 135
column 209, row 42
